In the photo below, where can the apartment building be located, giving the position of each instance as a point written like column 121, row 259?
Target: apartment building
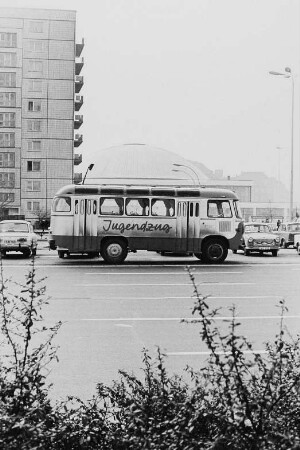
column 40, row 84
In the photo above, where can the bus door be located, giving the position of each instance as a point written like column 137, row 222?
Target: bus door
column 193, row 241
column 181, row 227
column 85, row 224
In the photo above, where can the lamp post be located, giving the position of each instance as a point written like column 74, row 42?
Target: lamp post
column 89, row 168
column 188, row 167
column 288, row 74
column 183, row 171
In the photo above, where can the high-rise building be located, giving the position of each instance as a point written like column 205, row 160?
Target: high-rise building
column 40, row 84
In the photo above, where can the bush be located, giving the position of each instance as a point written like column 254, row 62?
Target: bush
column 240, row 400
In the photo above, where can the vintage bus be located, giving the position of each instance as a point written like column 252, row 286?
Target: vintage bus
column 114, row 220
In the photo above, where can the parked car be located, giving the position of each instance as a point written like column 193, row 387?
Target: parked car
column 286, row 232
column 17, row 236
column 297, row 243
column 259, row 237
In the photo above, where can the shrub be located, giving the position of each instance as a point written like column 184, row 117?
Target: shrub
column 240, row 399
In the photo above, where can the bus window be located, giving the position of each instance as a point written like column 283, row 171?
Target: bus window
column 62, row 204
column 163, row 207
column 191, row 209
column 197, row 210
column 137, row 207
column 237, row 209
column 76, row 206
column 112, row 206
column 218, row 208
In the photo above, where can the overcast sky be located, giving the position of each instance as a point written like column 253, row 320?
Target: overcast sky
column 190, row 76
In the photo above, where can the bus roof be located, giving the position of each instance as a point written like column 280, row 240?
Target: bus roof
column 158, row 191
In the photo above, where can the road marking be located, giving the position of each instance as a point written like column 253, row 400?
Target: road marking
column 246, row 352
column 190, row 297
column 164, row 284
column 179, row 319
column 163, row 273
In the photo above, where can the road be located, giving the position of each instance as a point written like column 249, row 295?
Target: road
column 111, row 313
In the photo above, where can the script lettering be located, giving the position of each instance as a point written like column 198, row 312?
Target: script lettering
column 108, row 225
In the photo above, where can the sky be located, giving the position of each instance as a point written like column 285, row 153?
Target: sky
column 191, row 77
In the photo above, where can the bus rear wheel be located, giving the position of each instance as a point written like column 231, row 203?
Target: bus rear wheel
column 214, row 251
column 114, row 251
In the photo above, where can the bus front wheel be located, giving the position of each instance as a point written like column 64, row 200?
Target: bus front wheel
column 214, row 251
column 114, row 251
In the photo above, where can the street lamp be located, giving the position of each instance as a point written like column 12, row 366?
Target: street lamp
column 187, row 173
column 288, row 74
column 89, row 168
column 188, row 167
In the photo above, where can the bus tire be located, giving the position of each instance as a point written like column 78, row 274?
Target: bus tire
column 214, row 251
column 114, row 251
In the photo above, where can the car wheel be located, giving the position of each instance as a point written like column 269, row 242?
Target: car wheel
column 214, row 251
column 114, row 251
column 61, row 254
column 283, row 244
column 246, row 252
column 274, row 252
column 298, row 249
column 26, row 253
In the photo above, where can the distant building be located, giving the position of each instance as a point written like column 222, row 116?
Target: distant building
column 39, row 86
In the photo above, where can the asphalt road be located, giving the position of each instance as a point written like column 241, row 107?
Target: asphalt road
column 110, row 313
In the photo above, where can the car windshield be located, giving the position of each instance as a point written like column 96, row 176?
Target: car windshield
column 257, row 228
column 293, row 227
column 14, row 227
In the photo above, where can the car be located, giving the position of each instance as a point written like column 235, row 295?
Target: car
column 286, row 233
column 297, row 243
column 259, row 237
column 17, row 236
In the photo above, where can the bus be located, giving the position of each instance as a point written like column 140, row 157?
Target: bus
column 113, row 220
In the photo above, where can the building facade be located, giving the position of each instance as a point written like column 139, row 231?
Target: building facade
column 40, row 83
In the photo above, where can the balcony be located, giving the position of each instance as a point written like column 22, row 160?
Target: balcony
column 79, row 66
column 79, row 48
column 77, row 178
column 78, row 83
column 77, row 159
column 78, row 140
column 78, row 102
column 78, row 121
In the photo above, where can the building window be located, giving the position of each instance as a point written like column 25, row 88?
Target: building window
column 7, row 140
column 35, row 85
column 7, row 179
column 7, row 197
column 8, row 39
column 7, row 79
column 8, row 99
column 34, row 125
column 33, row 206
column 35, row 66
column 8, row 59
column 7, row 159
column 33, row 166
column 35, row 26
column 34, row 145
column 36, row 46
column 34, row 105
column 33, row 186
column 7, row 120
